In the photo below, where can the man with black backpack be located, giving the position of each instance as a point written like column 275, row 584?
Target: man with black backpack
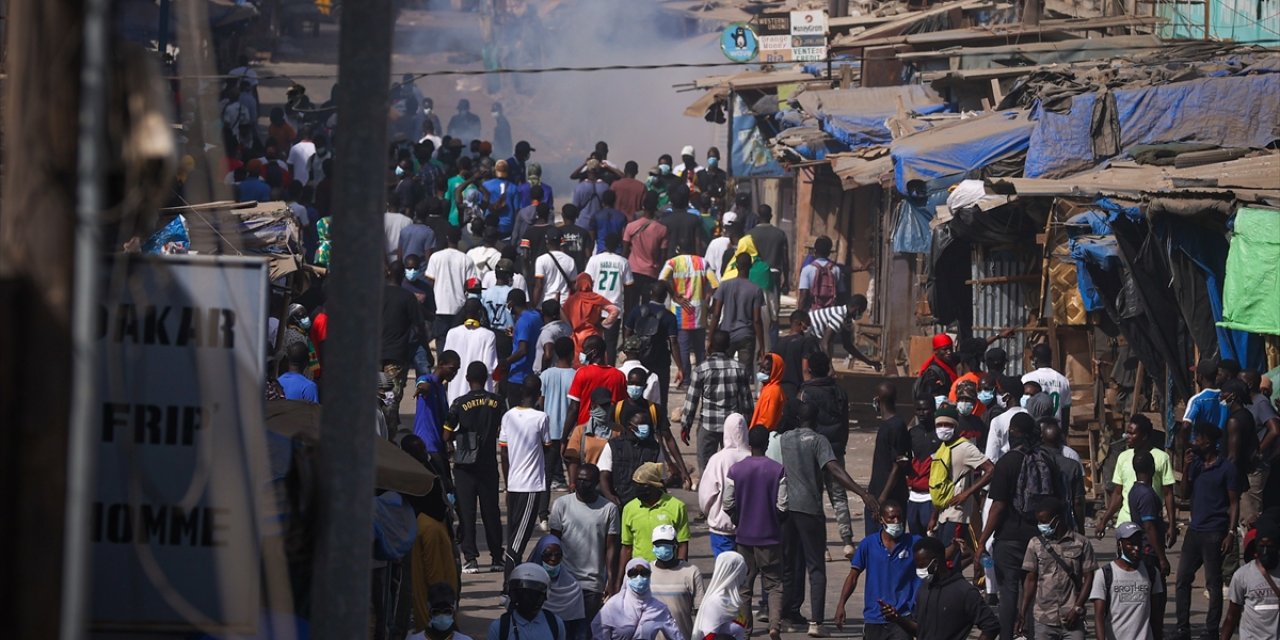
column 654, row 328
column 1023, row 477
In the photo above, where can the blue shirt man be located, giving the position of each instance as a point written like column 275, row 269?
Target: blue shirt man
column 524, row 338
column 433, row 405
column 889, row 564
column 500, row 188
column 297, row 387
column 253, row 189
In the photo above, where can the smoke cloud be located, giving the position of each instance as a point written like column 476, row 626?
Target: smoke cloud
column 563, row 114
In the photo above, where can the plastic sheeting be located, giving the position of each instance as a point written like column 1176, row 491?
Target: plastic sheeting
column 1251, row 292
column 961, row 146
column 857, row 117
column 752, row 157
column 1236, row 111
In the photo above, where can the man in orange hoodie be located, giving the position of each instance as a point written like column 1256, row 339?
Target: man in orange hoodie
column 832, row 421
column 772, row 399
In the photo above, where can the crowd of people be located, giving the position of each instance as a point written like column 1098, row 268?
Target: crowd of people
column 546, row 352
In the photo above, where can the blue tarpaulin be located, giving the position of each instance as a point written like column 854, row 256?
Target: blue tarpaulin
column 958, row 147
column 751, row 155
column 1239, row 111
column 856, row 117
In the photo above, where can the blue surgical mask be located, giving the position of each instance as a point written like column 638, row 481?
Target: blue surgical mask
column 713, row 161
column 582, row 357
column 305, row 323
column 664, row 168
column 664, row 552
column 411, row 274
column 399, row 171
column 894, row 529
column 964, row 407
column 938, row 401
column 1127, row 558
column 1046, row 530
column 643, row 431
column 1022, row 402
column 986, row 397
column 762, row 376
column 638, row 584
column 553, row 570
column 635, row 391
column 442, row 622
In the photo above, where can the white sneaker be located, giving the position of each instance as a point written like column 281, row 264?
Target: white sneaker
column 826, row 555
column 848, row 551
column 544, row 525
column 815, row 630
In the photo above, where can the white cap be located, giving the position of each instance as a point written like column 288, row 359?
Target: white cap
column 663, row 533
column 729, row 217
column 687, row 150
column 531, row 572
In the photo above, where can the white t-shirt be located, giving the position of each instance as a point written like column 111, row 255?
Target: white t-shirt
column 609, row 272
column 524, row 432
column 998, row 434
column 1053, row 383
column 651, row 391
column 553, row 283
column 486, row 259
column 299, row 155
column 392, row 225
column 448, row 270
column 472, row 345
column 1128, row 604
column 605, row 463
column 715, row 254
column 300, row 212
column 490, row 280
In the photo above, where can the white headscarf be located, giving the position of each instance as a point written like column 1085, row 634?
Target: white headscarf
column 722, row 603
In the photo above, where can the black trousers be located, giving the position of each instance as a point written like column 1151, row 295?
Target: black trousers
column 804, row 540
column 1200, row 549
column 522, row 517
column 1009, row 575
column 474, row 483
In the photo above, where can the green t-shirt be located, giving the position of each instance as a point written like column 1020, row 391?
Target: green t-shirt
column 639, row 521
column 760, row 275
column 1125, row 477
column 450, row 187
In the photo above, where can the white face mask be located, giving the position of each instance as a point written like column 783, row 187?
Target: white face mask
column 945, row 433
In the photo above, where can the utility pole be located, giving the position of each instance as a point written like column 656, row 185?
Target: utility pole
column 341, row 587
column 38, row 280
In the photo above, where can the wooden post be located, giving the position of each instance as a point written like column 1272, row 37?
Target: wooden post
column 37, row 229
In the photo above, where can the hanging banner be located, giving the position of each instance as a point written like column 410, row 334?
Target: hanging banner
column 792, row 36
column 751, row 155
column 180, row 445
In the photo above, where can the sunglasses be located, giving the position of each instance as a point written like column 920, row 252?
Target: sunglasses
column 638, row 571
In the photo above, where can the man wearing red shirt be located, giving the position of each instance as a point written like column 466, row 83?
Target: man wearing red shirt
column 592, row 375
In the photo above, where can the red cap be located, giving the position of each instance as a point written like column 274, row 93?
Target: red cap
column 941, row 340
column 472, row 283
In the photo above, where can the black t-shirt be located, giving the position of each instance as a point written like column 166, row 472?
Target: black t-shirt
column 536, row 235
column 1016, row 527
column 441, row 227
column 1145, row 505
column 892, row 443
column 794, row 349
column 400, row 314
column 683, row 233
column 659, row 357
column 576, row 242
column 475, row 419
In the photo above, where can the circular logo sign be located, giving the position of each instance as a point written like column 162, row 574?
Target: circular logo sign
column 739, row 42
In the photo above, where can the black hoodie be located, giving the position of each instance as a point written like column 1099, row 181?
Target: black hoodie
column 948, row 608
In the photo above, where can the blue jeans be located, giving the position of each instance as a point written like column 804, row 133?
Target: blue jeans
column 421, row 361
column 692, row 342
column 721, row 544
column 918, row 514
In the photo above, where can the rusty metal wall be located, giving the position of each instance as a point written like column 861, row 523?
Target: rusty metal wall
column 1000, row 305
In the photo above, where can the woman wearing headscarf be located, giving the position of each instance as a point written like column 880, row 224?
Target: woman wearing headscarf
column 325, row 245
column 634, row 614
column 721, row 611
column 564, row 595
column 583, row 309
column 714, row 478
column 772, row 399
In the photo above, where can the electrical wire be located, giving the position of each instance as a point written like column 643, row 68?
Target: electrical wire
column 498, row 71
